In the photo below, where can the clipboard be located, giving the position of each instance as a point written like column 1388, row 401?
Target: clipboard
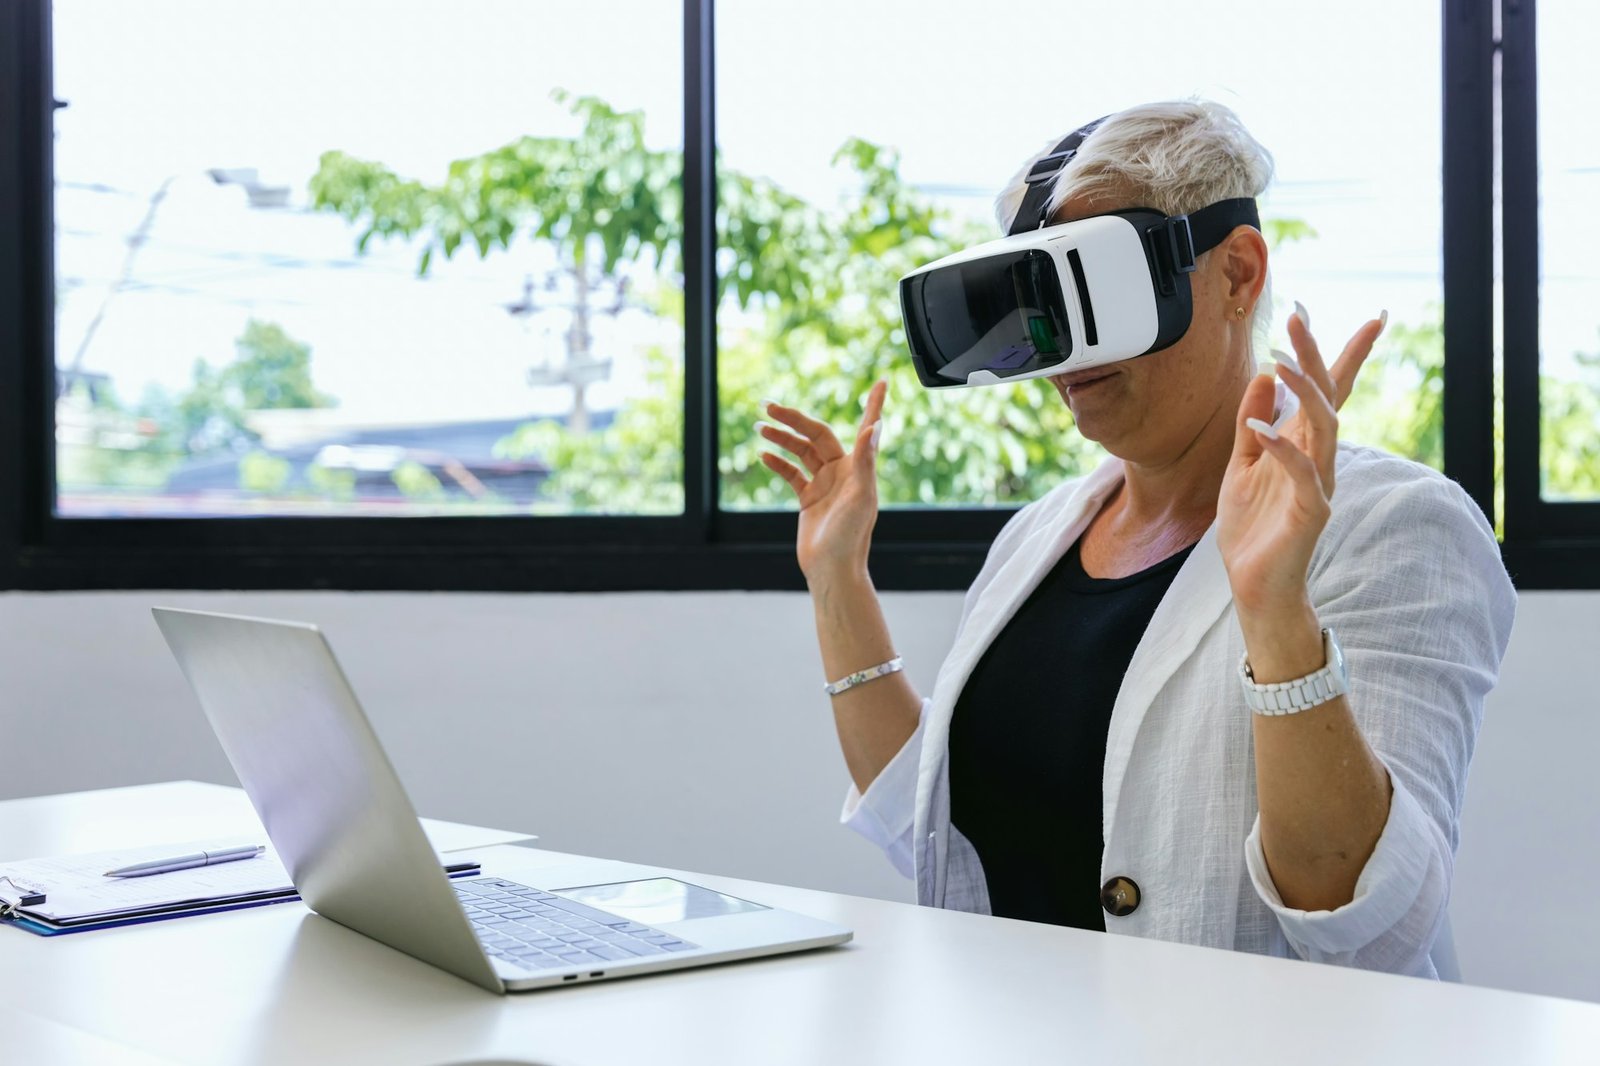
column 85, row 899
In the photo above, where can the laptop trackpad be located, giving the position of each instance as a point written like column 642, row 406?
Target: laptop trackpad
column 658, row 900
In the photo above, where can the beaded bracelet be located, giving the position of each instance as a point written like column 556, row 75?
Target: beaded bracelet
column 860, row 677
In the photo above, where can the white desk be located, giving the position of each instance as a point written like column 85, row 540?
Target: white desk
column 171, row 812
column 281, row 985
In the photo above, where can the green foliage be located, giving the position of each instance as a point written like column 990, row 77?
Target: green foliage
column 1569, row 433
column 633, row 466
column 1398, row 400
column 809, row 311
column 602, row 192
column 331, row 482
column 603, row 187
column 809, row 316
column 416, row 481
column 1398, row 405
column 263, row 473
column 981, row 446
column 270, row 371
column 1282, row 231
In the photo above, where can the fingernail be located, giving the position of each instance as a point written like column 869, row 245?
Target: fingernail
column 877, row 434
column 1383, row 320
column 769, row 403
column 1287, row 360
column 762, row 425
column 1305, row 316
column 1262, row 428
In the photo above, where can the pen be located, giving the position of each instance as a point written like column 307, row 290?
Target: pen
column 186, row 862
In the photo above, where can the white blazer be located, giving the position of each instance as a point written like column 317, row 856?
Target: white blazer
column 1407, row 573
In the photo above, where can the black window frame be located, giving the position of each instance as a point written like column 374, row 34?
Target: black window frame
column 1547, row 544
column 705, row 547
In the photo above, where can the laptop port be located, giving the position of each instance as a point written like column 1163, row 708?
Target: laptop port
column 570, row 977
column 598, row 973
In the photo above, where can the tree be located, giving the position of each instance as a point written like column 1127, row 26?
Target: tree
column 1397, row 403
column 1569, row 432
column 807, row 293
column 271, row 371
column 603, row 199
column 809, row 315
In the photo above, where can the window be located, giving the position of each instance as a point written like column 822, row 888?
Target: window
column 892, row 140
column 498, row 313
column 1569, row 270
column 1551, row 169
column 314, row 260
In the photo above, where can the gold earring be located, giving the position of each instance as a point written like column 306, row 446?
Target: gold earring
column 1238, row 312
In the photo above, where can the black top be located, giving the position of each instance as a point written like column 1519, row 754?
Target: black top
column 1028, row 739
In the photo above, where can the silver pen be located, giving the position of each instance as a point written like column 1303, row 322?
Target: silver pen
column 188, row 862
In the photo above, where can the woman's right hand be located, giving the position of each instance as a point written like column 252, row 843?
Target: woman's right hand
column 839, row 501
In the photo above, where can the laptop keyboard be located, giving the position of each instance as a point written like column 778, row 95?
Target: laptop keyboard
column 538, row 930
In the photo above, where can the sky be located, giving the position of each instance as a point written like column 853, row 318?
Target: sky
column 1345, row 96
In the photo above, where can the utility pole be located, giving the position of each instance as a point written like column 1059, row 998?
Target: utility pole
column 580, row 368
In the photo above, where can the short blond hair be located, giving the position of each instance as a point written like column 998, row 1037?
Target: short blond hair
column 1176, row 156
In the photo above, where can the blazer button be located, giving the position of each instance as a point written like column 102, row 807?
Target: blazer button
column 1120, row 896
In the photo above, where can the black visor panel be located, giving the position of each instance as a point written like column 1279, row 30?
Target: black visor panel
column 1002, row 313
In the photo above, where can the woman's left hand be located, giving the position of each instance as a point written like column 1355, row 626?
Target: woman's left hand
column 1275, row 495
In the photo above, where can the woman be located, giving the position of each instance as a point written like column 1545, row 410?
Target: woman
column 1088, row 755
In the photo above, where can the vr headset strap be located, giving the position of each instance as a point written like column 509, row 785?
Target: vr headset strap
column 1031, row 215
column 1209, row 225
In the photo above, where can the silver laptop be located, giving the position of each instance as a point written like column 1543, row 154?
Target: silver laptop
column 345, row 828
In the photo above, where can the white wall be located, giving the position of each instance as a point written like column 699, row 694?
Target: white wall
column 689, row 729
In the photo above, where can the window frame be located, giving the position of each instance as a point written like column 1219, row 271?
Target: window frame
column 1547, row 544
column 705, row 547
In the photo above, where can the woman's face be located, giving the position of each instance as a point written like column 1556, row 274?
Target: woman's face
column 1151, row 409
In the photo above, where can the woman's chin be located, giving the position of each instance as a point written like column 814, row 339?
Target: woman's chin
column 1098, row 409
column 1089, row 431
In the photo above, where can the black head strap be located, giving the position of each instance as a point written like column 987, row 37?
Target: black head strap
column 1174, row 242
column 1209, row 225
column 1041, row 176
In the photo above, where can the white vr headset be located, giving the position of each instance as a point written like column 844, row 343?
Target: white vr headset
column 1047, row 300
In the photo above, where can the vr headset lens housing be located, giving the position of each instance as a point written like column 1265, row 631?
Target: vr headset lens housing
column 1003, row 315
column 1062, row 298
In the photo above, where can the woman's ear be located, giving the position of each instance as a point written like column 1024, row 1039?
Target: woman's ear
column 1244, row 264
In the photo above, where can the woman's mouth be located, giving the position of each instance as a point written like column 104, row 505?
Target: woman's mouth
column 1076, row 384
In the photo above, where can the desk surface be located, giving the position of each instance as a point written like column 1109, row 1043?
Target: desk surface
column 172, row 811
column 280, row 984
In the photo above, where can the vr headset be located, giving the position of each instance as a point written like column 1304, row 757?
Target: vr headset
column 1047, row 300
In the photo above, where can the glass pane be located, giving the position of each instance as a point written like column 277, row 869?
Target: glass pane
column 1569, row 239
column 386, row 257
column 888, row 143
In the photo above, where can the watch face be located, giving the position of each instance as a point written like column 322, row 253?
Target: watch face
column 1335, row 654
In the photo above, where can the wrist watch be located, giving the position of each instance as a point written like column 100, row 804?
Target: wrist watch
column 1303, row 693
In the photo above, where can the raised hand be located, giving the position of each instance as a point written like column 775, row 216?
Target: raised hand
column 837, row 490
column 1276, row 494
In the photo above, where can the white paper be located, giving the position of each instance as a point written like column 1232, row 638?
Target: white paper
column 75, row 886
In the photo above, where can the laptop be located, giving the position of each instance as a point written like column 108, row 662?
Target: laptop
column 347, row 832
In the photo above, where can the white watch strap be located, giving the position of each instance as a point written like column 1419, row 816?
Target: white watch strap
column 1300, row 694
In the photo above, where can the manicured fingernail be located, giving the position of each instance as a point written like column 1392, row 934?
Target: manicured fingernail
column 1262, row 428
column 877, row 434
column 1305, row 316
column 1286, row 360
column 763, row 425
column 769, row 403
column 1383, row 320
